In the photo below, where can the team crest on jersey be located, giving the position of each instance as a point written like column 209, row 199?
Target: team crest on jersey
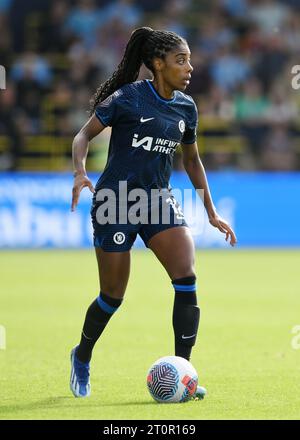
column 181, row 126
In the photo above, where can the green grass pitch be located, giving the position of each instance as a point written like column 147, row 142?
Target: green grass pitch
column 250, row 302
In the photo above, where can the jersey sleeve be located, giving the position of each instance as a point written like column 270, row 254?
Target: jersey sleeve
column 190, row 133
column 108, row 110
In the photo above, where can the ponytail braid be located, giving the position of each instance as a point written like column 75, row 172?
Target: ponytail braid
column 144, row 45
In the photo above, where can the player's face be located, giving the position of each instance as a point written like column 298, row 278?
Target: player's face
column 176, row 68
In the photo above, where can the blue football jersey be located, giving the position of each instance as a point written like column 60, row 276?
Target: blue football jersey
column 146, row 130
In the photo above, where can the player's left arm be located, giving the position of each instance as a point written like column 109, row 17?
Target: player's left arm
column 196, row 172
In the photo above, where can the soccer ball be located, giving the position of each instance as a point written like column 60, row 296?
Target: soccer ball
column 172, row 379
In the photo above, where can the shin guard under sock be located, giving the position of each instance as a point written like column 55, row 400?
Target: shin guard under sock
column 97, row 317
column 186, row 316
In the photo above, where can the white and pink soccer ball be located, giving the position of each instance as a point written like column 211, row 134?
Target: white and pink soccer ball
column 172, row 379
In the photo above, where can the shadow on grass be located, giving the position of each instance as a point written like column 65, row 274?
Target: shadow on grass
column 64, row 402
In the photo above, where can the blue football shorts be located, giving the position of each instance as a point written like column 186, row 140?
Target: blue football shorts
column 115, row 226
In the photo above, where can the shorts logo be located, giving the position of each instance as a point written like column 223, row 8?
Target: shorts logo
column 181, row 126
column 119, row 238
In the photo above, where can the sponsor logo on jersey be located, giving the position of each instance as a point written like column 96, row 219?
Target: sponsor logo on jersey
column 150, row 144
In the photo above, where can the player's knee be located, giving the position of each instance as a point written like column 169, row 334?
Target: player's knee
column 184, row 269
column 114, row 291
column 183, row 274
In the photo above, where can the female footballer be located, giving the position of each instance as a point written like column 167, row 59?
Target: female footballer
column 149, row 119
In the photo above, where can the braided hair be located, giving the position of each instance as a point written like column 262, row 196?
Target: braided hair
column 144, row 44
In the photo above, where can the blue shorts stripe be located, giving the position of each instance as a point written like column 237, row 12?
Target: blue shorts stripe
column 184, row 288
column 106, row 307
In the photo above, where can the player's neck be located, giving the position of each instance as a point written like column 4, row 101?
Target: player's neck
column 163, row 89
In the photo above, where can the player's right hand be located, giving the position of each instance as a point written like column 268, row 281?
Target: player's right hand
column 80, row 181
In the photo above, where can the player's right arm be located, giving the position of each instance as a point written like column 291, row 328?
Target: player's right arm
column 80, row 148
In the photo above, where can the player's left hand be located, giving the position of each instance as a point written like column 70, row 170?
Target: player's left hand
column 218, row 222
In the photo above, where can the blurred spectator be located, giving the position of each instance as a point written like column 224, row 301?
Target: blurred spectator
column 58, row 52
column 220, row 160
column 125, row 11
column 172, row 17
column 5, row 42
column 83, row 20
column 5, row 5
column 55, row 38
column 269, row 15
column 282, row 109
column 236, row 8
column 278, row 151
column 82, row 71
column 295, row 4
column 29, row 100
column 32, row 75
column 80, row 107
column 60, row 104
column 216, row 107
column 251, row 110
column 270, row 61
column 152, row 7
column 251, row 105
column 214, row 34
column 229, row 69
column 109, row 47
column 22, row 14
column 33, row 67
column 292, row 32
column 9, row 128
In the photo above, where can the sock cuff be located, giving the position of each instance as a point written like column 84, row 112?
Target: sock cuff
column 108, row 304
column 187, row 284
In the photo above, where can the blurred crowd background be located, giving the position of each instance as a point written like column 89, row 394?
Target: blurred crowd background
column 56, row 53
